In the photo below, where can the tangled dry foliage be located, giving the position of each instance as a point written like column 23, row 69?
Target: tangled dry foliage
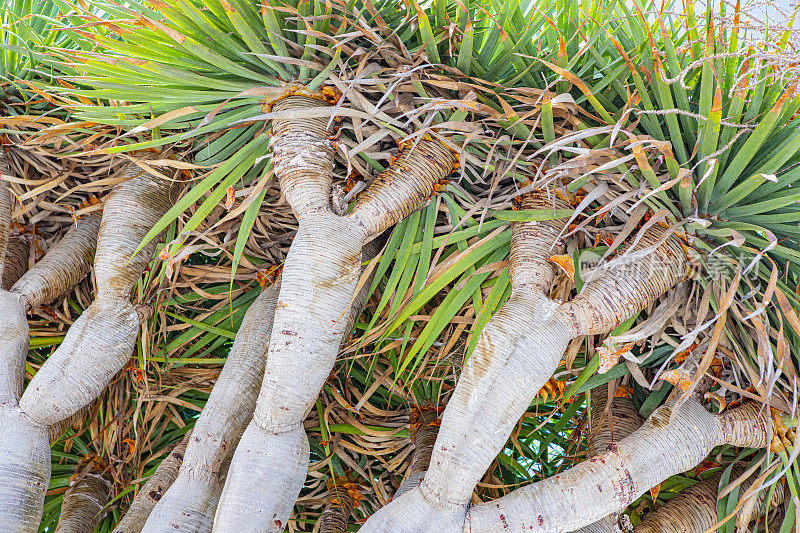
column 198, row 305
column 361, row 427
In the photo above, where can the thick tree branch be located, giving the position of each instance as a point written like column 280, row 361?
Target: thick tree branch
column 516, row 353
column 610, row 422
column 320, row 277
column 669, row 442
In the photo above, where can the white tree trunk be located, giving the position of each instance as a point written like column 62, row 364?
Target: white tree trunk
column 319, row 281
column 516, row 353
column 669, row 442
column 25, row 467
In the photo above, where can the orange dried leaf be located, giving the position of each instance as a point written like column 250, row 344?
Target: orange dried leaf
column 609, row 356
column 230, row 197
column 623, row 391
column 677, row 377
column 131, row 446
column 566, row 264
column 721, row 403
column 654, row 491
column 705, row 465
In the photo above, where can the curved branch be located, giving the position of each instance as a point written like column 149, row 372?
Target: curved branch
column 321, row 273
column 16, row 261
column 343, row 497
column 191, row 499
column 516, row 353
column 610, row 422
column 25, row 468
column 101, row 341
column 5, row 214
column 83, row 504
column 694, row 510
column 425, row 427
column 64, row 265
column 671, row 441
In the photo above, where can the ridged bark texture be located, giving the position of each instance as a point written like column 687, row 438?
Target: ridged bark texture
column 16, row 262
column 341, row 502
column 5, row 213
column 514, row 356
column 189, row 505
column 320, row 276
column 694, row 510
column 14, row 339
column 669, row 442
column 607, row 427
column 57, row 430
column 101, row 341
column 616, row 289
column 516, row 353
column 153, row 490
column 82, row 508
column 425, row 423
column 612, row 425
column 64, row 265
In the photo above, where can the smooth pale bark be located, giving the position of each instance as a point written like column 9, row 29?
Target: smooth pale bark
column 320, row 276
column 101, row 341
column 669, row 442
column 609, row 423
column 190, row 503
column 191, row 500
column 153, row 490
column 694, row 510
column 24, row 471
column 25, row 467
column 516, row 353
column 82, row 508
column 425, row 421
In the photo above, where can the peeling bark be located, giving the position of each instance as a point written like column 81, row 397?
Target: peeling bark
column 82, row 508
column 320, row 277
column 153, row 490
column 669, row 442
column 516, row 353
